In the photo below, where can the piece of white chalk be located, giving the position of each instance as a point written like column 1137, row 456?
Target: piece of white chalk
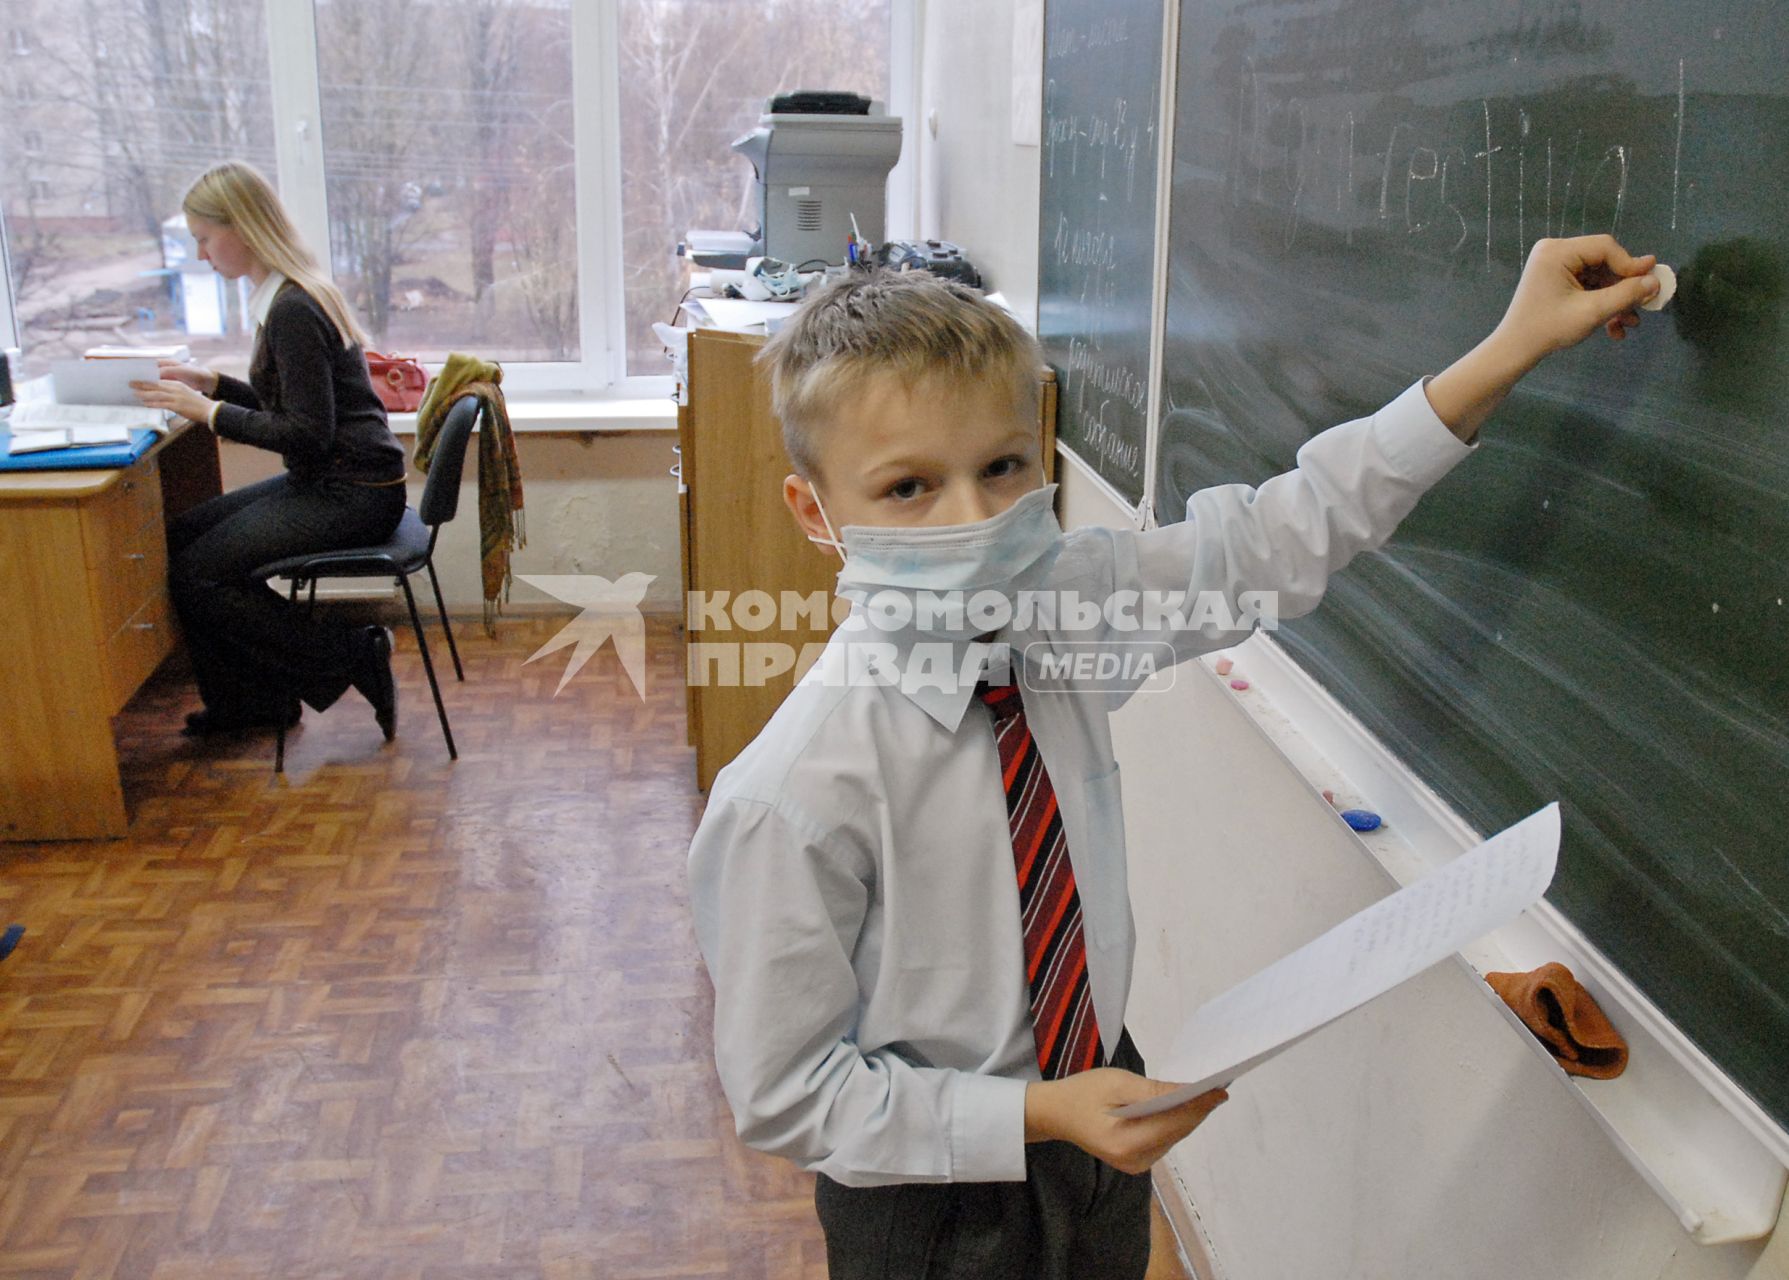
column 1667, row 279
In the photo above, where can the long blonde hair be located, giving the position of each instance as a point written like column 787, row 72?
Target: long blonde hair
column 235, row 195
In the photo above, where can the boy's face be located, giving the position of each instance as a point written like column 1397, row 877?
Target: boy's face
column 939, row 452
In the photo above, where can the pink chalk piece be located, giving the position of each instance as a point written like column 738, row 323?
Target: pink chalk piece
column 1239, row 684
column 1224, row 665
column 1331, row 797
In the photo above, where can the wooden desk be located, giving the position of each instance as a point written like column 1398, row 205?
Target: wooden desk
column 737, row 536
column 84, row 620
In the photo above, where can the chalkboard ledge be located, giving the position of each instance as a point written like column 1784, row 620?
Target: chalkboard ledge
column 1697, row 1139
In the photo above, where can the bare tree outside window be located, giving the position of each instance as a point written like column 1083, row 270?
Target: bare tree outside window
column 449, row 160
column 112, row 108
column 695, row 75
column 447, row 148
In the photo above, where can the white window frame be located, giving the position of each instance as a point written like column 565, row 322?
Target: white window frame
column 9, row 329
column 904, row 48
column 601, row 371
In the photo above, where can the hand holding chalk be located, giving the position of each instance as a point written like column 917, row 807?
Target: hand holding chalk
column 1660, row 283
column 1667, row 279
column 1570, row 289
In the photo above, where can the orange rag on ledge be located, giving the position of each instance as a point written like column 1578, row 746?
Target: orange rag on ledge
column 1566, row 1019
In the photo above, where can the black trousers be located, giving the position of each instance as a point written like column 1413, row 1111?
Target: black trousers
column 1073, row 1218
column 252, row 649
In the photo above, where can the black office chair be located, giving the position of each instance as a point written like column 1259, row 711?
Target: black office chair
column 410, row 549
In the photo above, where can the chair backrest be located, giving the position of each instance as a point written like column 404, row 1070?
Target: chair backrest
column 441, row 491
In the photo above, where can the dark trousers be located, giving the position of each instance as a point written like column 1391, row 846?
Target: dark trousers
column 1073, row 1218
column 252, row 649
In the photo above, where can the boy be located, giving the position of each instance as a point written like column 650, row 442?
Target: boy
column 910, row 889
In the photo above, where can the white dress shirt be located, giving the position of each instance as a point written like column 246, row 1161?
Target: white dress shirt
column 852, row 878
column 260, row 300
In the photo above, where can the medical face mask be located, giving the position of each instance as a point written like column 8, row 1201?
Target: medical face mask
column 947, row 581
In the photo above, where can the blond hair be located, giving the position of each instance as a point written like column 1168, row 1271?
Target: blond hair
column 912, row 324
column 235, row 195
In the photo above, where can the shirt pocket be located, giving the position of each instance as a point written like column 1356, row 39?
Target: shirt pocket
column 1100, row 876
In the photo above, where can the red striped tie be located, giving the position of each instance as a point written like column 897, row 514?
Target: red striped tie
column 1062, row 1016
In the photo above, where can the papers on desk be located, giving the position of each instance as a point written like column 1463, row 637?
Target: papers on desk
column 1363, row 957
column 65, row 438
column 739, row 315
column 177, row 351
column 34, row 416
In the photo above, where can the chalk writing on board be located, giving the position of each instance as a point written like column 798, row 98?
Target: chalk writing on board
column 1282, row 152
column 1588, row 608
column 1102, row 33
column 1096, row 243
column 1106, row 443
column 1677, row 150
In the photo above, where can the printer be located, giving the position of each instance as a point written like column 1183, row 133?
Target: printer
column 819, row 159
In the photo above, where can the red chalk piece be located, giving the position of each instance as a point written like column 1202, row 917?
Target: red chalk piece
column 1224, row 665
column 1331, row 797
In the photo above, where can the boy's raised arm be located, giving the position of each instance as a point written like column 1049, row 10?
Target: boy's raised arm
column 1244, row 556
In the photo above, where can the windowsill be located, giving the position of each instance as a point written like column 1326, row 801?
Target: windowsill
column 570, row 413
column 530, row 412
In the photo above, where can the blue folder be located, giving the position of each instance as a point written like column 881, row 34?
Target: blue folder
column 87, row 457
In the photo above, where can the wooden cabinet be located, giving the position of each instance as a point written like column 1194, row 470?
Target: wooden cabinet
column 84, row 620
column 738, row 536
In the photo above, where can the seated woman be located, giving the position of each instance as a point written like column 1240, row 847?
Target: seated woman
column 308, row 398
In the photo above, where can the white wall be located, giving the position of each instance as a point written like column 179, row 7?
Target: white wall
column 976, row 188
column 1420, row 1137
column 601, row 504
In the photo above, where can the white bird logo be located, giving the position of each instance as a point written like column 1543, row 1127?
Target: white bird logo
column 610, row 610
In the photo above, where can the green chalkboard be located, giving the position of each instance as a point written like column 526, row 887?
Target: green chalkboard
column 1592, row 608
column 1097, row 225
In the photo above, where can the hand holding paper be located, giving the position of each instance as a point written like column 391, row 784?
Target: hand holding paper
column 1363, row 957
column 1086, row 1108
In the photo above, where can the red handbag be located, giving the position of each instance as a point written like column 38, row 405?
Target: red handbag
column 399, row 380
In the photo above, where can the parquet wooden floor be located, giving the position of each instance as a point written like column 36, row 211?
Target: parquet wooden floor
column 387, row 1018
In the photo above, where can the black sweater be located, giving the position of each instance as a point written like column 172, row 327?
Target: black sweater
column 309, row 398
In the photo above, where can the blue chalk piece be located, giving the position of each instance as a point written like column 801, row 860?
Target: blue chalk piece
column 1361, row 819
column 10, row 939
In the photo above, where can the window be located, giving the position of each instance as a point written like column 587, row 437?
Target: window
column 447, row 145
column 696, row 75
column 504, row 177
column 94, row 231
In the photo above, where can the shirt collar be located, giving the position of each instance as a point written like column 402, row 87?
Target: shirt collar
column 260, row 302
column 943, row 694
column 945, row 705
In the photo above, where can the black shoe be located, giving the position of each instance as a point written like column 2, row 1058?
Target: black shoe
column 373, row 680
column 201, row 723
